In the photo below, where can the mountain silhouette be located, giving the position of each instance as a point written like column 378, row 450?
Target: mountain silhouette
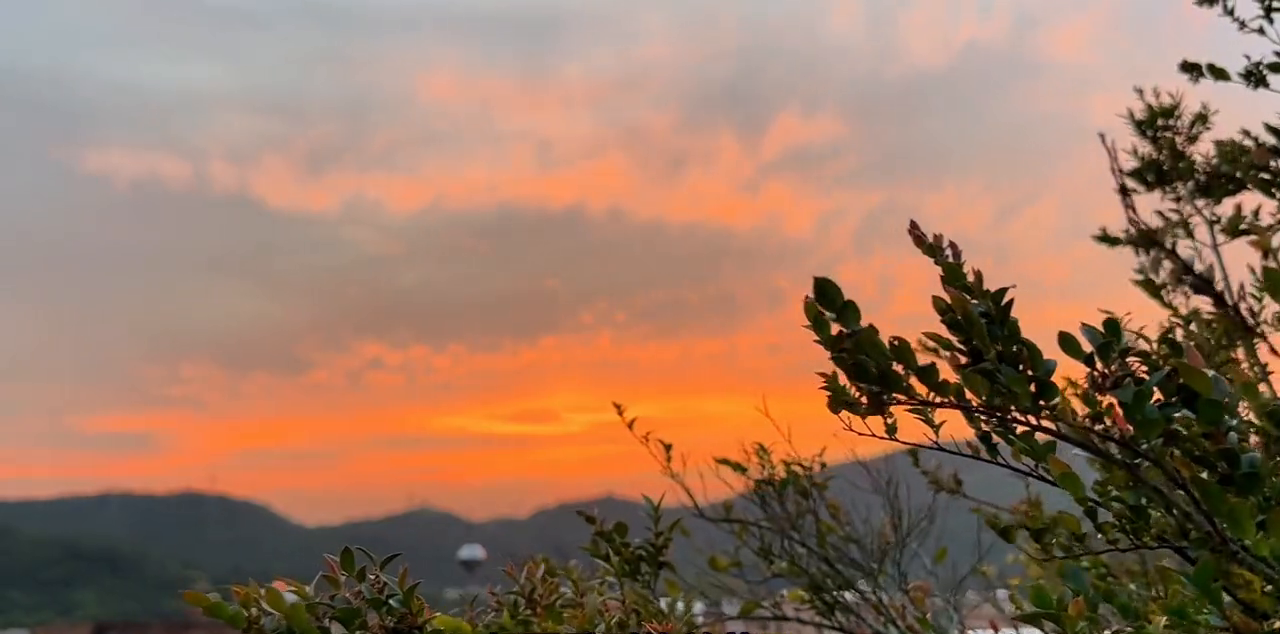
column 177, row 538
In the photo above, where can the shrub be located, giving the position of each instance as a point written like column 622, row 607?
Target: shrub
column 360, row 592
column 1179, row 426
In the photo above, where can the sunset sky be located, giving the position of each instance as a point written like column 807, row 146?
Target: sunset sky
column 349, row 256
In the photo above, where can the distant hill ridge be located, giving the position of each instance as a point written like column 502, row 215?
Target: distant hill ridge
column 223, row 539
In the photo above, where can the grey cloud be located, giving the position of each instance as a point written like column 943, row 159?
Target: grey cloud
column 174, row 276
column 95, row 278
column 257, row 74
column 299, row 63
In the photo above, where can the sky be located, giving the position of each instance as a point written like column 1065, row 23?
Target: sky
column 346, row 257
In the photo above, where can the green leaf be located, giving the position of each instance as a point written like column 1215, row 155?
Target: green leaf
column 1217, row 73
column 718, row 563
column 1273, row 524
column 367, row 554
column 1058, row 466
column 940, row 341
column 1198, row 379
column 1070, row 346
column 232, row 615
column 975, row 383
column 1047, row 391
column 1148, row 427
column 450, row 624
column 1040, row 618
column 196, row 599
column 735, row 466
column 1006, row 532
column 388, row 560
column 347, row 561
column 333, row 580
column 1069, row 522
column 275, row 600
column 1091, row 334
column 1271, row 282
column 821, row 326
column 849, row 316
column 1155, row 378
column 297, row 618
column 217, row 610
column 1125, row 392
column 827, row 294
column 1068, row 479
column 1241, row 520
column 811, row 310
column 410, row 593
column 929, row 375
column 1152, row 288
column 1211, row 494
column 237, row 618
column 1075, row 577
column 941, row 306
column 1272, row 130
column 1113, row 329
column 1204, row 579
column 1047, row 368
column 1041, row 598
column 903, row 353
column 1250, row 462
column 940, row 556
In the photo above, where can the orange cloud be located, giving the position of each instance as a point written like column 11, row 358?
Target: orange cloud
column 1077, row 38
column 127, row 166
column 933, row 34
column 597, row 170
column 478, row 421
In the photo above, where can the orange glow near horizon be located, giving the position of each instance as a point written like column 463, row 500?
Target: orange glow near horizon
column 423, row 279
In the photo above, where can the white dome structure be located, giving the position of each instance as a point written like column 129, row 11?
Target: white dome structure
column 471, row 556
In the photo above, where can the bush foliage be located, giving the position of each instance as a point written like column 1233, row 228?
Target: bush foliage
column 360, row 592
column 1165, row 437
